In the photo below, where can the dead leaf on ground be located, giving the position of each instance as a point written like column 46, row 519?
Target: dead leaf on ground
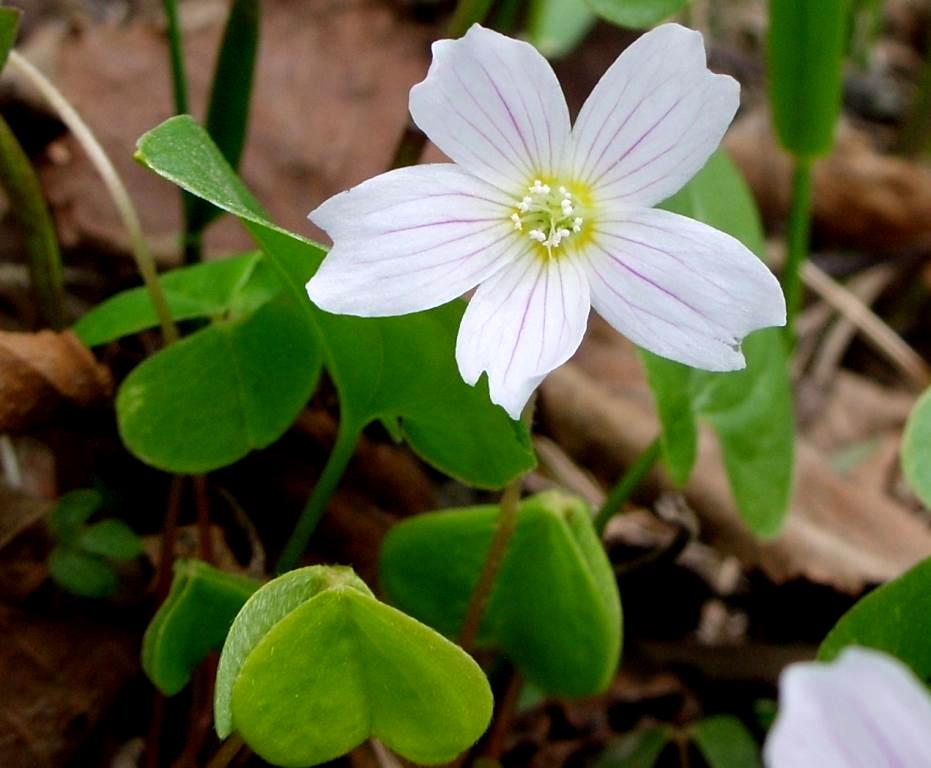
column 329, row 104
column 18, row 512
column 60, row 676
column 40, row 372
column 863, row 199
column 838, row 531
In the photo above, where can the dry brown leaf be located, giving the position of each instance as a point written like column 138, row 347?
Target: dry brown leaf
column 40, row 372
column 862, row 198
column 60, row 676
column 18, row 512
column 856, row 408
column 838, row 532
column 329, row 104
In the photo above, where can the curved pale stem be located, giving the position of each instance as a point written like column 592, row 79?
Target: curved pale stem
column 85, row 137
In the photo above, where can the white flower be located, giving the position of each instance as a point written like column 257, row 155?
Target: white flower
column 550, row 220
column 864, row 710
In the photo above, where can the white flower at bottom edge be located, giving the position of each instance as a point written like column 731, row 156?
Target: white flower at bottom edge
column 864, row 710
column 549, row 220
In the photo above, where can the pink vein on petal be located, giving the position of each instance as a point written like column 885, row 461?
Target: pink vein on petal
column 493, row 122
column 523, row 322
column 636, row 143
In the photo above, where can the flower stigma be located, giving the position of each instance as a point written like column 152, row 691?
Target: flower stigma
column 549, row 216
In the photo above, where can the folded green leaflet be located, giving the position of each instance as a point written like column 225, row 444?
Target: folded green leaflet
column 314, row 665
column 194, row 620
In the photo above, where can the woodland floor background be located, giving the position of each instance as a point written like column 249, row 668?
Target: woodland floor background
column 711, row 614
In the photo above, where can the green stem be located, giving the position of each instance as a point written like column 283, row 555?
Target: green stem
column 627, row 484
column 345, row 446
column 192, row 240
column 409, row 148
column 507, row 15
column 111, row 179
column 176, row 52
column 410, row 145
column 467, row 13
column 916, row 135
column 799, row 228
column 22, row 186
column 505, row 526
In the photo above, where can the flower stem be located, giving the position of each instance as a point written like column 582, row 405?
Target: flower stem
column 85, row 137
column 505, row 526
column 627, row 484
column 799, row 228
column 343, row 448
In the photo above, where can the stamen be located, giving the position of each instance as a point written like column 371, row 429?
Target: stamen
column 549, row 216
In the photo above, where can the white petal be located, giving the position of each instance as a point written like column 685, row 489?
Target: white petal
column 865, row 710
column 410, row 239
column 652, row 120
column 494, row 105
column 680, row 288
column 521, row 324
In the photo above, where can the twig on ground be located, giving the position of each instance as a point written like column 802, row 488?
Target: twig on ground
column 875, row 331
column 838, row 338
column 10, row 463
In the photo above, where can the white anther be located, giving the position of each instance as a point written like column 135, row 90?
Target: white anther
column 577, row 224
column 565, row 192
column 525, row 204
column 536, row 234
column 518, row 224
column 563, row 233
column 566, row 207
column 539, row 188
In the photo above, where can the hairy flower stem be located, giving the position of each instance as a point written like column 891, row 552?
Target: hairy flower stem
column 345, row 446
column 799, row 228
column 627, row 484
column 505, row 526
column 85, row 137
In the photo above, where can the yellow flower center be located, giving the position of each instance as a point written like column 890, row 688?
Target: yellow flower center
column 551, row 215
